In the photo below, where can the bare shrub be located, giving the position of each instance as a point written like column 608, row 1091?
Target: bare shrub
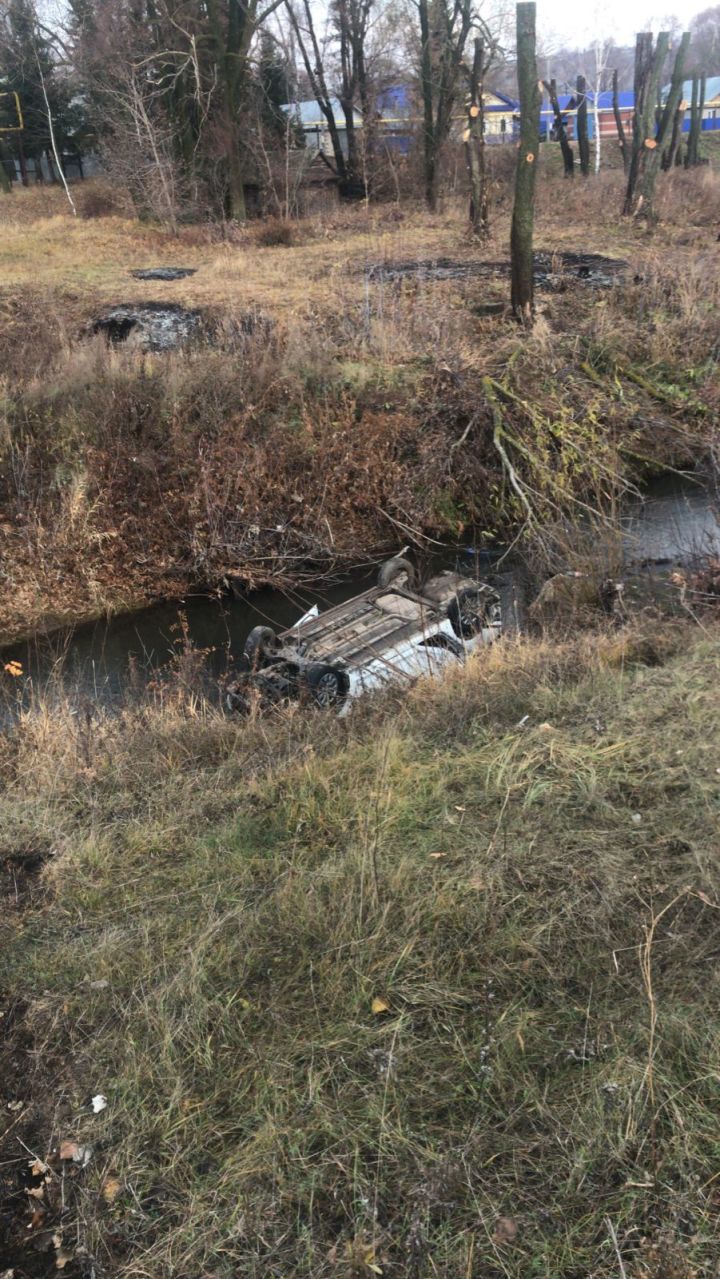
column 101, row 200
column 275, row 233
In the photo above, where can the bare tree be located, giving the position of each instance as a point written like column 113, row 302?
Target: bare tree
column 550, row 87
column 602, row 50
column 645, row 204
column 521, row 236
column 622, row 139
column 650, row 58
column 189, row 61
column 697, row 107
column 352, row 19
column 475, row 145
column 444, row 29
column 582, row 125
column 309, row 46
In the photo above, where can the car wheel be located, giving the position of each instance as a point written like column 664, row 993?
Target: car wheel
column 471, row 609
column 394, row 568
column 260, row 644
column 326, row 685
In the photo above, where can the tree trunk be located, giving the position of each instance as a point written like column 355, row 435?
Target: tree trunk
column 354, row 184
column 646, row 202
column 671, row 155
column 318, row 84
column 624, row 149
column 693, row 118
column 648, row 66
column 23, row 162
column 596, row 130
column 696, row 112
column 475, row 148
column 236, row 206
column 566, row 149
column 5, row 183
column 521, row 236
column 426, row 80
column 582, row 128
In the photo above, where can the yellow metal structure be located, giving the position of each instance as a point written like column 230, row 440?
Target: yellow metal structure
column 13, row 128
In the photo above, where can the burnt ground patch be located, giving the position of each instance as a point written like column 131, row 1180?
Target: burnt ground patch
column 149, row 326
column 168, row 273
column 166, row 326
column 553, row 271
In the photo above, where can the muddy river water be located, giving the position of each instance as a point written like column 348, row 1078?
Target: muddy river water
column 675, row 523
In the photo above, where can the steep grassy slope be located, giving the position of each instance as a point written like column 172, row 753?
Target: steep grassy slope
column 427, row 992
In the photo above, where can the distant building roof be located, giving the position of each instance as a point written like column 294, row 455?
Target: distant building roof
column 712, row 89
column 504, row 101
column 311, row 117
column 568, row 101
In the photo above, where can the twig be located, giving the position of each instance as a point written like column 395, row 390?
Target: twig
column 616, row 1246
column 498, row 432
column 457, row 443
column 414, row 533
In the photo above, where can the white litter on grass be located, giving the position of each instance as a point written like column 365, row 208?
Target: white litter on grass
column 636, row 819
column 98, row 1103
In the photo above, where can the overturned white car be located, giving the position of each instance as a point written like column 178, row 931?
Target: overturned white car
column 395, row 631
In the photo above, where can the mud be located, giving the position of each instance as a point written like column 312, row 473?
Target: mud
column 553, row 272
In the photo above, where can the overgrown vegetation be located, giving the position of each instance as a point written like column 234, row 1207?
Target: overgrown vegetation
column 429, row 992
column 334, row 408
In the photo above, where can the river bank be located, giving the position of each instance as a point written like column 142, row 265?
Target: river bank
column 364, row 411
column 428, row 989
column 673, row 529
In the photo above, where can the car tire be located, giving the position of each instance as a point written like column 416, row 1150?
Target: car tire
column 326, row 686
column 260, row 644
column 470, row 610
column 394, row 568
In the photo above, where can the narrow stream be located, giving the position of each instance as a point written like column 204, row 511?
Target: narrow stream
column 675, row 524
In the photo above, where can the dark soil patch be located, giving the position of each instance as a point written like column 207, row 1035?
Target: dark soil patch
column 19, row 872
column 150, row 326
column 164, row 272
column 553, row 271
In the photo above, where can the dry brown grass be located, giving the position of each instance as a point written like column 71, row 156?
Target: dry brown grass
column 365, row 406
column 226, row 901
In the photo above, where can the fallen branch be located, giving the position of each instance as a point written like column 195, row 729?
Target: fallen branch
column 499, row 433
